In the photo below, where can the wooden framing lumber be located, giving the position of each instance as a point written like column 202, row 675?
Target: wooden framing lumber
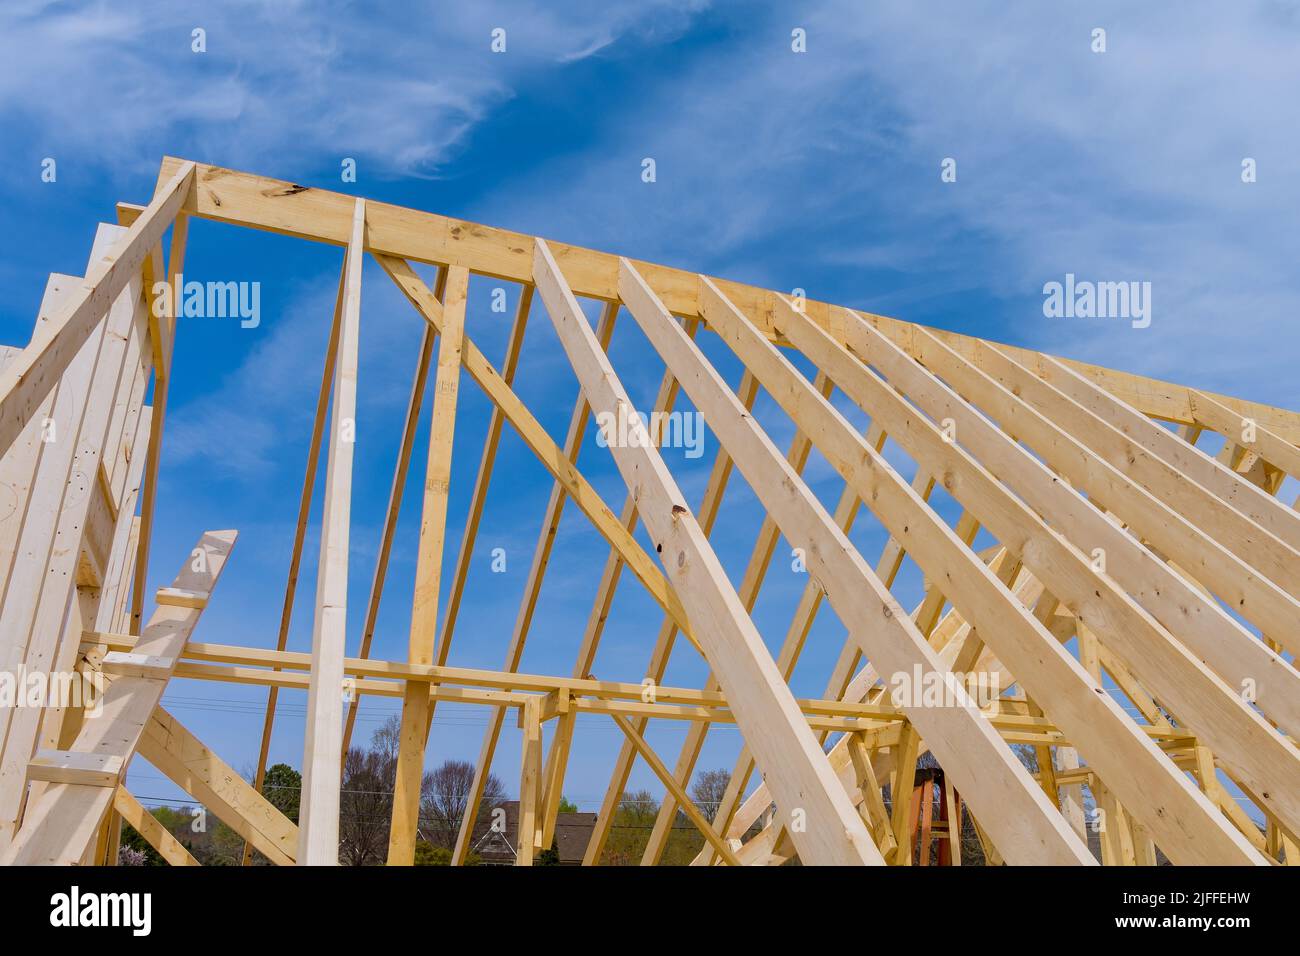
column 162, row 337
column 553, row 775
column 1276, row 450
column 260, row 202
column 1186, row 825
column 26, row 380
column 478, row 497
column 528, row 602
column 40, row 588
column 1201, row 474
column 1252, row 569
column 967, row 745
column 193, row 767
column 529, row 781
column 147, row 825
column 428, row 572
column 75, row 767
column 665, row 642
column 763, row 704
column 679, row 795
column 1199, row 621
column 391, row 514
column 1179, row 678
column 534, row 435
column 751, row 582
column 300, row 534
column 59, row 826
column 710, row 504
column 318, row 826
column 1120, row 595
column 179, row 597
column 887, row 567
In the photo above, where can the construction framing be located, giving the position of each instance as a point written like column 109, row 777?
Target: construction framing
column 1137, row 613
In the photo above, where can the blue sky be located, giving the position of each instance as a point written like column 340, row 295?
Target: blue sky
column 818, row 170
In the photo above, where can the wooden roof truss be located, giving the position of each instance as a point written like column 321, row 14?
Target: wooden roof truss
column 1130, row 570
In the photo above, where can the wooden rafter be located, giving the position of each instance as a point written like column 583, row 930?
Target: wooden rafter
column 805, row 787
column 1131, row 606
column 863, row 603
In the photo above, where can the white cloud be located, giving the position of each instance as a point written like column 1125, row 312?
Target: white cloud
column 240, row 426
column 401, row 87
column 1116, row 166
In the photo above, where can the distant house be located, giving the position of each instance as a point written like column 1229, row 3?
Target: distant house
column 572, row 833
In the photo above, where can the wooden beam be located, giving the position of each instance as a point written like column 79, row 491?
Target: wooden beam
column 1273, row 448
column 71, row 766
column 1208, row 477
column 873, row 799
column 901, row 793
column 600, row 609
column 162, row 336
column 179, row 597
column 259, row 202
column 59, row 826
column 968, row 747
column 478, row 497
column 428, row 572
column 710, row 504
column 887, row 567
column 529, row 781
column 391, row 515
column 148, row 826
column 1183, row 821
column 322, row 766
column 535, row 437
column 797, row 769
column 553, row 791
column 41, row 585
column 1222, row 546
column 1199, row 621
column 193, row 767
column 1170, row 670
column 528, row 600
column 679, row 795
column 30, row 376
column 299, row 536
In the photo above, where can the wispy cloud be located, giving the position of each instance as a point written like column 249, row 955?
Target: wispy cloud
column 822, row 170
column 120, row 86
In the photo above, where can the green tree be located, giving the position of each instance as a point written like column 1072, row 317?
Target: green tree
column 282, row 787
column 629, row 831
column 426, row 854
column 549, row 857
